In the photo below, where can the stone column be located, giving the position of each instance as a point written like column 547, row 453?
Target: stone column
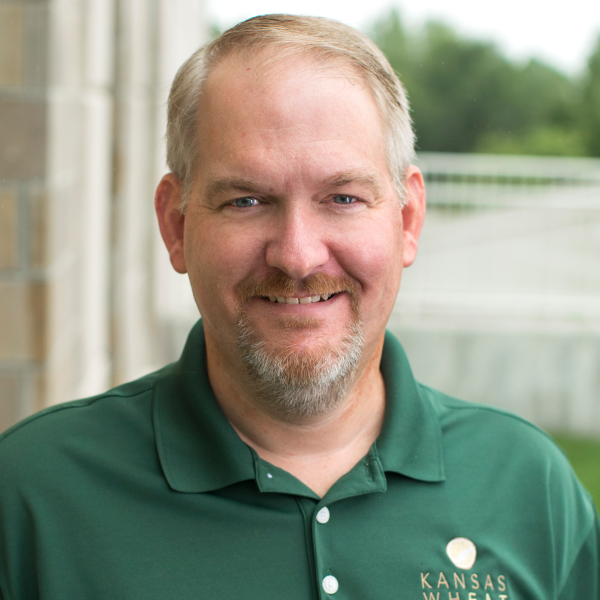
column 149, row 298
column 28, row 250
column 182, row 28
column 82, row 83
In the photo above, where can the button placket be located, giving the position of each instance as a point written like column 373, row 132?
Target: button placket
column 322, row 534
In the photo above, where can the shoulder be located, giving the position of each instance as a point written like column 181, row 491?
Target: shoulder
column 492, row 429
column 60, row 435
column 499, row 439
column 520, row 462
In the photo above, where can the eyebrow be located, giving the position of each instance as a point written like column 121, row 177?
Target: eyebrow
column 342, row 179
column 223, row 185
column 227, row 184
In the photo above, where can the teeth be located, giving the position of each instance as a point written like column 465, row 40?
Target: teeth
column 305, row 300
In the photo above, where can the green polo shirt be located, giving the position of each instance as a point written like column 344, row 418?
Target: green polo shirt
column 146, row 492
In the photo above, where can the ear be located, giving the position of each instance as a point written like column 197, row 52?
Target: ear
column 413, row 213
column 167, row 201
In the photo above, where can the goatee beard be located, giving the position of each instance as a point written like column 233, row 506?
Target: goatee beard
column 297, row 385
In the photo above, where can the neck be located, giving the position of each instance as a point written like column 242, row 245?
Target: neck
column 317, row 450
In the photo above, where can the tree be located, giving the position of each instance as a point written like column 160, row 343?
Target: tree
column 466, row 96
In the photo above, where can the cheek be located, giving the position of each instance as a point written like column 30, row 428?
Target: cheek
column 373, row 255
column 217, row 259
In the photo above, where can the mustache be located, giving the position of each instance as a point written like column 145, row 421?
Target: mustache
column 280, row 284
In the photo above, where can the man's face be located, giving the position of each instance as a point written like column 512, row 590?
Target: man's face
column 292, row 199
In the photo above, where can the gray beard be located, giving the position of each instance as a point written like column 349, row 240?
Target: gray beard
column 296, row 386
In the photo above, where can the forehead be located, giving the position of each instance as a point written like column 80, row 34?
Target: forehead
column 271, row 66
column 257, row 107
column 264, row 81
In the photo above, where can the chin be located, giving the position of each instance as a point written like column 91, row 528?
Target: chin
column 300, row 379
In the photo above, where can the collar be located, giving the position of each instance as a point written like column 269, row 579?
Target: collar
column 199, row 451
column 410, row 442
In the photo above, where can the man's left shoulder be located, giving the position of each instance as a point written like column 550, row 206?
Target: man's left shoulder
column 490, row 427
column 511, row 489
column 497, row 445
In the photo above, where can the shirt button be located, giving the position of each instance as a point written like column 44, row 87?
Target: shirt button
column 323, row 515
column 330, row 584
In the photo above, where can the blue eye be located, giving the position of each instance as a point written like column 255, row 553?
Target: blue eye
column 342, row 199
column 245, row 202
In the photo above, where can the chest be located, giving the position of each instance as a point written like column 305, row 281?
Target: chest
column 241, row 543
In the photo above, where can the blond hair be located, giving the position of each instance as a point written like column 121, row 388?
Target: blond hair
column 321, row 39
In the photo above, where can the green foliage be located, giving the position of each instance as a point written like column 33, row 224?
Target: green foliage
column 584, row 455
column 543, row 141
column 467, row 97
column 591, row 102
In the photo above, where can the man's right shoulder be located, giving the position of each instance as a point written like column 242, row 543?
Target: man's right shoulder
column 41, row 441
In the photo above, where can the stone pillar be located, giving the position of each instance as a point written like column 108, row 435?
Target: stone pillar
column 134, row 139
column 56, row 152
column 25, row 239
column 149, row 298
column 97, row 166
column 182, row 28
column 81, row 86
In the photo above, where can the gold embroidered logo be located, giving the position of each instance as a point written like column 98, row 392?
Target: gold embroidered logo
column 462, row 552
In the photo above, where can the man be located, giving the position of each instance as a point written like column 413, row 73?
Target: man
column 290, row 453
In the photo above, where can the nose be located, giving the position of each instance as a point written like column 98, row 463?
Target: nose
column 297, row 245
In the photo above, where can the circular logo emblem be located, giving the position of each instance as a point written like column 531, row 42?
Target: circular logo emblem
column 462, row 552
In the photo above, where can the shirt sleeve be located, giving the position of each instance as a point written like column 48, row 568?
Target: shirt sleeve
column 583, row 580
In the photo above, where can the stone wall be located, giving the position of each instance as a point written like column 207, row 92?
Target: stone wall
column 27, row 249
column 82, row 89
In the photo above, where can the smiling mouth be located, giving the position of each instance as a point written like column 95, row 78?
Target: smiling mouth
column 295, row 300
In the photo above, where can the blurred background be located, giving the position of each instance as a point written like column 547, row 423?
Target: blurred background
column 503, row 303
